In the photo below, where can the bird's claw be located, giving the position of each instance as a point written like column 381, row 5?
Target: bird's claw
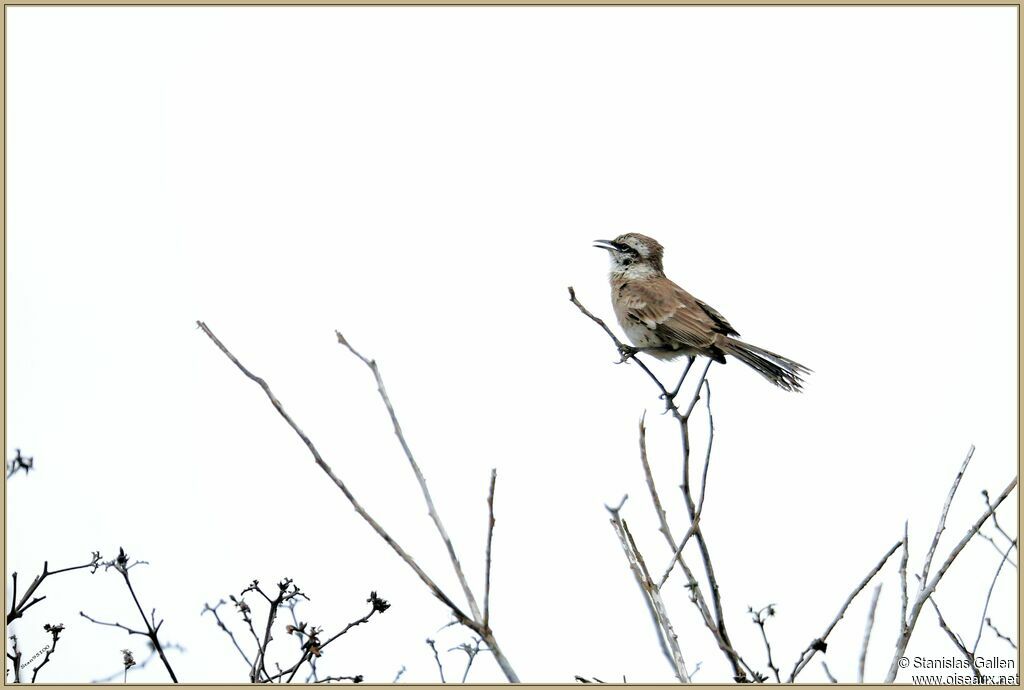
column 626, row 351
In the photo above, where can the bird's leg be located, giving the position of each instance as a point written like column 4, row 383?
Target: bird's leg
column 686, row 370
column 626, row 351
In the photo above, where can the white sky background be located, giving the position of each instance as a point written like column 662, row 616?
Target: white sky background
column 839, row 182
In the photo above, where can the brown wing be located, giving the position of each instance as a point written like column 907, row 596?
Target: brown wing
column 723, row 325
column 673, row 313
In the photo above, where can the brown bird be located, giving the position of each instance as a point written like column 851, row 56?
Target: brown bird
column 665, row 321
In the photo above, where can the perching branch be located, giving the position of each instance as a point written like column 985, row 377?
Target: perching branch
column 717, row 624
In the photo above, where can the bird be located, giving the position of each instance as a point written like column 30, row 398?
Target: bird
column 665, row 321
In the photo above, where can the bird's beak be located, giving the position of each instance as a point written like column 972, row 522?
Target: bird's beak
column 606, row 244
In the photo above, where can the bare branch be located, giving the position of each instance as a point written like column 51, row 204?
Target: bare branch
column 942, row 519
column 15, row 656
column 220, row 624
column 862, row 660
column 828, row 673
column 487, row 556
column 988, row 598
column 904, row 596
column 460, row 616
column 440, row 668
column 998, row 548
column 55, row 631
column 760, row 617
column 1001, row 636
column 957, row 641
column 652, row 595
column 121, row 565
column 27, row 601
column 707, row 456
column 819, row 643
column 904, row 639
column 995, row 522
column 420, row 479
column 622, row 348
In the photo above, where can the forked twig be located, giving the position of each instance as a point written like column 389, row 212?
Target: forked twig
column 460, row 616
column 929, row 588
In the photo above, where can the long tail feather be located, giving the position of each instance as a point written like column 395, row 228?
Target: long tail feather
column 783, row 372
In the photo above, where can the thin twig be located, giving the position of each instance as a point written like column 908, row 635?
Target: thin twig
column 1001, row 636
column 440, row 668
column 487, row 556
column 707, row 456
column 55, row 631
column 312, row 647
column 942, row 519
column 20, row 606
column 420, row 479
column 647, row 600
column 668, row 397
column 651, row 593
column 995, row 521
column 220, row 624
column 819, row 643
column 679, row 550
column 15, row 656
column 956, row 639
column 760, row 617
column 988, row 598
column 123, row 672
column 460, row 616
column 696, row 595
column 691, row 582
column 998, row 548
column 828, row 673
column 471, row 652
column 862, row 659
column 121, row 564
column 904, row 639
column 702, row 546
column 904, row 596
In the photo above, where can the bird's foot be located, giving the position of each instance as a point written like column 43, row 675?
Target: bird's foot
column 626, row 351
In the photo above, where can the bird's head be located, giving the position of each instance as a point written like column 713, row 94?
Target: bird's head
column 634, row 254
